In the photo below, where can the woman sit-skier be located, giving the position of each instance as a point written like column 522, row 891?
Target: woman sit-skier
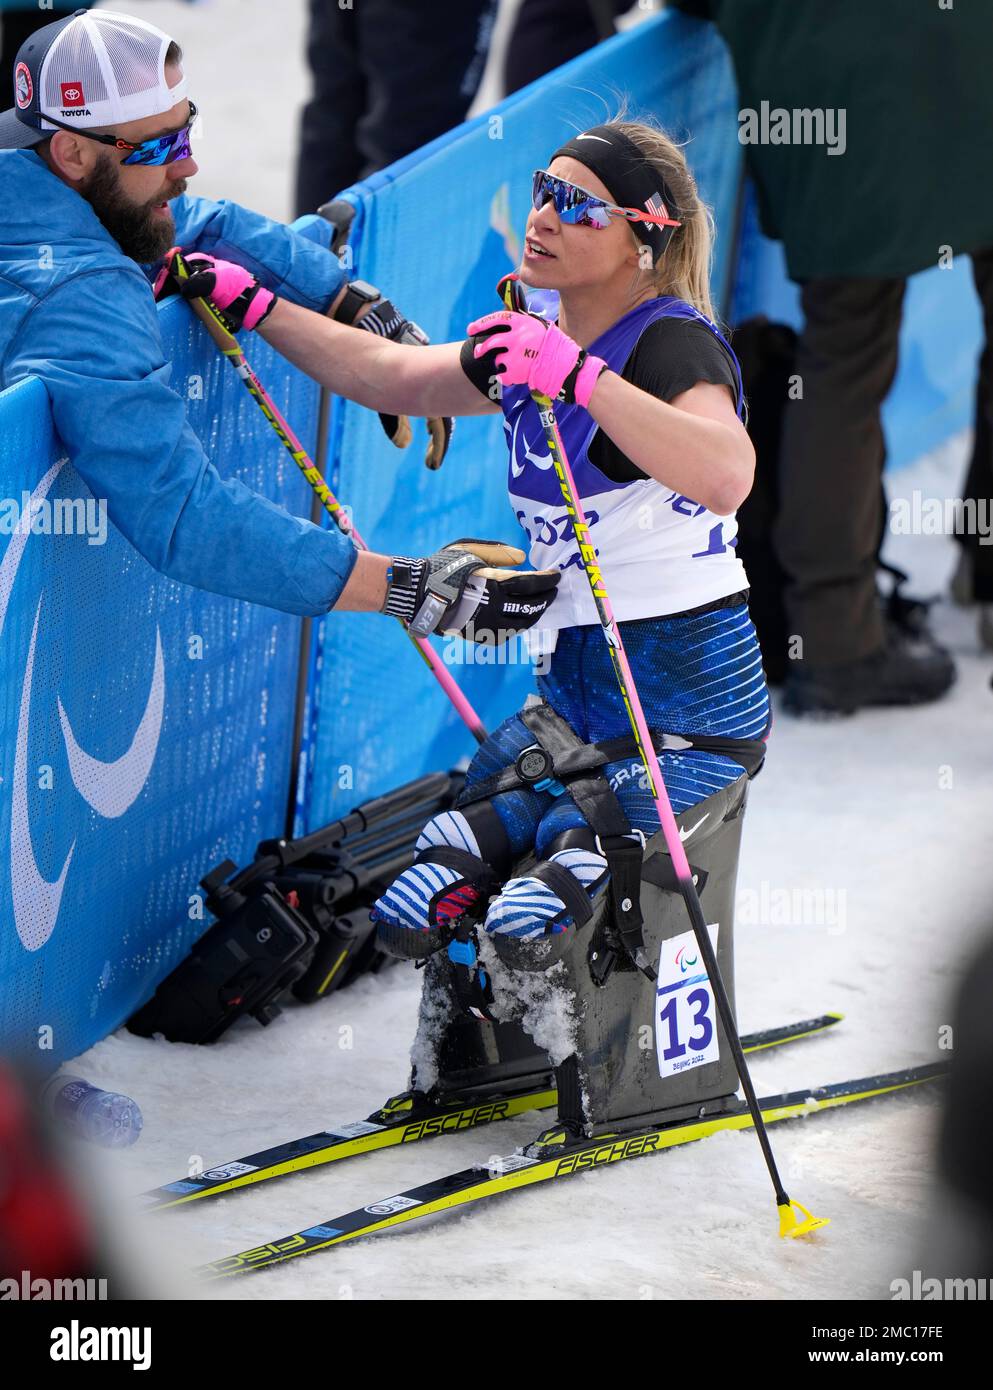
column 648, row 402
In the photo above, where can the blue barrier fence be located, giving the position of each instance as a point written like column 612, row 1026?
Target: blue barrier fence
column 145, row 727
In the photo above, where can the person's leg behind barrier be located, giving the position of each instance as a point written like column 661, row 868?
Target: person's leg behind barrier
column 547, row 33
column 423, row 65
column 327, row 158
column 974, row 581
column 845, row 651
column 831, row 462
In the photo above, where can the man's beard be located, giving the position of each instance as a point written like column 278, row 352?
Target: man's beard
column 142, row 234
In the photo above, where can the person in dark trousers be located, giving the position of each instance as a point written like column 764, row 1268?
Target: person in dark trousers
column 973, row 581
column 903, row 93
column 547, row 33
column 388, row 77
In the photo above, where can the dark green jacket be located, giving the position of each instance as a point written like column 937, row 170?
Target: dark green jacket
column 915, row 82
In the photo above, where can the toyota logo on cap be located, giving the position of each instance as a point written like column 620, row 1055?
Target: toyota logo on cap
column 72, row 94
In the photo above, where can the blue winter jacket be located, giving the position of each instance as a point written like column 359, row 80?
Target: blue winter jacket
column 83, row 319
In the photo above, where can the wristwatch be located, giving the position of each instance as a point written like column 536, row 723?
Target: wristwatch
column 357, row 293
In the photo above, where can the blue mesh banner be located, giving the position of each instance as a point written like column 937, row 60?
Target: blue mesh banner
column 436, row 231
column 145, row 727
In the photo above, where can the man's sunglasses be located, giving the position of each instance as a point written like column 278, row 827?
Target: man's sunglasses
column 160, row 149
column 581, row 209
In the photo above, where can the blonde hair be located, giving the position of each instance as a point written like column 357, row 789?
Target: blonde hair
column 683, row 269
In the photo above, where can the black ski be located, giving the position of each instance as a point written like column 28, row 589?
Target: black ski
column 520, row 1170
column 403, row 1120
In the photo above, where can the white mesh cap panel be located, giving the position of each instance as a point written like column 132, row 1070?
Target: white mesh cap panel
column 72, row 60
column 135, row 56
column 106, row 69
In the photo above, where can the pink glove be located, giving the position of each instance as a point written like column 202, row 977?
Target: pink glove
column 231, row 288
column 529, row 351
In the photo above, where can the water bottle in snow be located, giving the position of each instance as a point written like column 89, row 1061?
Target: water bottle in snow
column 103, row 1117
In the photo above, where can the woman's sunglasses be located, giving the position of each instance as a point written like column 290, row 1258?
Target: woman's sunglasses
column 578, row 208
column 160, row 149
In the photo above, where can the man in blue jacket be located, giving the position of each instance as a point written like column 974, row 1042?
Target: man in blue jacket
column 94, row 161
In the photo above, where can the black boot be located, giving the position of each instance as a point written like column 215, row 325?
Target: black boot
column 907, row 670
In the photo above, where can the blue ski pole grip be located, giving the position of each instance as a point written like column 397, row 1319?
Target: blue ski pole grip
column 462, row 953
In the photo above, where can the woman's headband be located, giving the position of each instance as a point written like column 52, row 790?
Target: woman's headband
column 631, row 179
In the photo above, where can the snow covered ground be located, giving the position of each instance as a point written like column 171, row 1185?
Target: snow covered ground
column 885, row 816
column 854, row 810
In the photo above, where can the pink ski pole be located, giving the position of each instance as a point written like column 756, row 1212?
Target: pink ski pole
column 230, row 347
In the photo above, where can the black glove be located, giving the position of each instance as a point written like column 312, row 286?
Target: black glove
column 467, row 589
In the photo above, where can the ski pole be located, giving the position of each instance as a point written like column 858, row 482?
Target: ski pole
column 789, row 1225
column 229, row 346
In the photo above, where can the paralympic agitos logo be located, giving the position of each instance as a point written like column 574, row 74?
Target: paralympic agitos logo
column 109, row 788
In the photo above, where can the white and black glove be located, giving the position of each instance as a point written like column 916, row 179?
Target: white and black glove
column 468, row 588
